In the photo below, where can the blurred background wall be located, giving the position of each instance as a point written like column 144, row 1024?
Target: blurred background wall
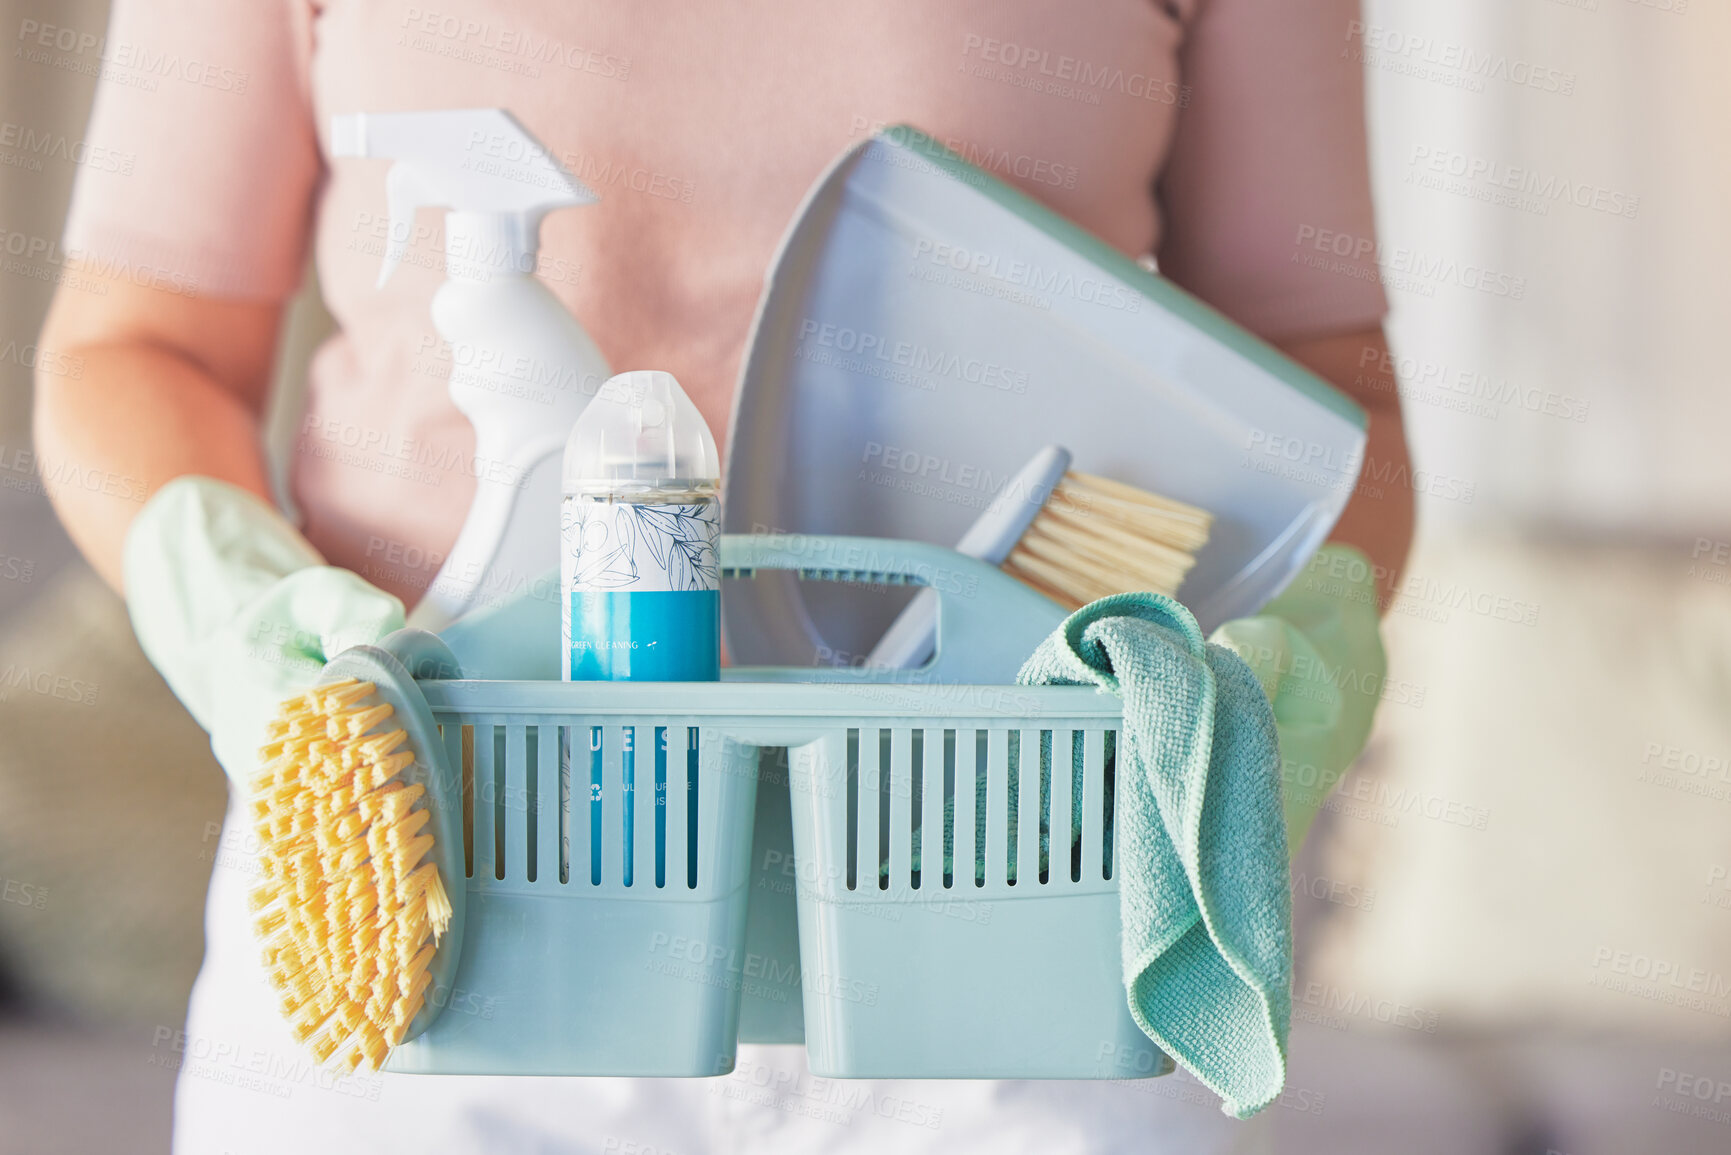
column 1544, row 818
column 1515, row 919
column 110, row 801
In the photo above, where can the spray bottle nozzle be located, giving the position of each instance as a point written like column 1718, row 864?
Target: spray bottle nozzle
column 476, row 160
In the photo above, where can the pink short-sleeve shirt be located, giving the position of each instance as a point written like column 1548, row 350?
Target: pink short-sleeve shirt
column 1208, row 132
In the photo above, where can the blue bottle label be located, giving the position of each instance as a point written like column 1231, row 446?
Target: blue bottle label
column 642, row 591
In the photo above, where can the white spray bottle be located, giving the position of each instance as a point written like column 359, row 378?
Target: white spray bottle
column 522, row 368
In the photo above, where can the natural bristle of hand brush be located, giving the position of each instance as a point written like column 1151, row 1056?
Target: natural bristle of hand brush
column 1095, row 537
column 349, row 905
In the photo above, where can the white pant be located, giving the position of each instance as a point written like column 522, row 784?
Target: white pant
column 246, row 1087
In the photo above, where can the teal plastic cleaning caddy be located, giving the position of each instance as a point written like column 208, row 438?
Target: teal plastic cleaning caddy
column 936, row 935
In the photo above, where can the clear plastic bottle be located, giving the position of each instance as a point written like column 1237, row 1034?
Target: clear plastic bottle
column 638, row 531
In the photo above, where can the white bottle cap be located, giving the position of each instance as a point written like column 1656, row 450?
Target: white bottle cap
column 480, row 246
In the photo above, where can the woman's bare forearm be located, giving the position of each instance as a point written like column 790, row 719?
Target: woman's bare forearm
column 166, row 386
column 1379, row 516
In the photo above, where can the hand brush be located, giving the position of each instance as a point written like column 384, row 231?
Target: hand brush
column 1072, row 536
column 360, row 858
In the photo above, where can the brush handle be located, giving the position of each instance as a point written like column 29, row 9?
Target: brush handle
column 912, row 637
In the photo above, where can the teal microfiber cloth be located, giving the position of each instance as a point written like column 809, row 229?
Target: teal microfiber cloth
column 1202, row 870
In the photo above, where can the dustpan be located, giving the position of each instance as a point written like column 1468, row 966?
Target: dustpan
column 925, row 329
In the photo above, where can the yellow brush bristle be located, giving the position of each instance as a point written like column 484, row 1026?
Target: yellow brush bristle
column 1095, row 537
column 348, row 903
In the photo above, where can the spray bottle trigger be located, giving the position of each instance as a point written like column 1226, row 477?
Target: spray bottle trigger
column 405, row 191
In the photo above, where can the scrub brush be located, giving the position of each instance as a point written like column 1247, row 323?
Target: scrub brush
column 355, row 859
column 1074, row 537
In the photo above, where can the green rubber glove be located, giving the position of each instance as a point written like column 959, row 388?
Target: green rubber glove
column 1317, row 650
column 237, row 610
